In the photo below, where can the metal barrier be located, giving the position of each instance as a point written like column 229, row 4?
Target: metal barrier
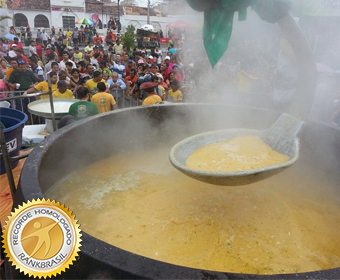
column 191, row 93
column 16, row 99
column 122, row 99
column 17, row 102
column 5, row 155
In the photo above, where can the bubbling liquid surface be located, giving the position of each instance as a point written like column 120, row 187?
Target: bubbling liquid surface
column 289, row 223
column 236, row 154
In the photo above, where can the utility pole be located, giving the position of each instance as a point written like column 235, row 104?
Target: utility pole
column 119, row 24
column 102, row 14
column 148, row 19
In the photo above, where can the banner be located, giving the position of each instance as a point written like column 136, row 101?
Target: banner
column 326, row 8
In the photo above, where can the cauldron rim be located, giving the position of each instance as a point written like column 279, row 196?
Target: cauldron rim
column 119, row 258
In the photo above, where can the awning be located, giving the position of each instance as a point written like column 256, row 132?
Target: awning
column 179, row 24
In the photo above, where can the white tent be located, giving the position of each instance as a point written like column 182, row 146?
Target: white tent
column 148, row 27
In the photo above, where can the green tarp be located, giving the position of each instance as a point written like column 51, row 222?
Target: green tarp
column 219, row 15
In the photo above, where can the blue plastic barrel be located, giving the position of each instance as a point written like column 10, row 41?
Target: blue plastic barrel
column 14, row 122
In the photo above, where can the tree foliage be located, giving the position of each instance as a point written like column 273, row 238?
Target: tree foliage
column 129, row 38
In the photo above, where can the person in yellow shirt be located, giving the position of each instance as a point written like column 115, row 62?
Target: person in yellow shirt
column 153, row 98
column 43, row 86
column 92, row 83
column 104, row 101
column 161, row 85
column 89, row 49
column 62, row 91
column 77, row 56
column 68, row 37
column 174, row 94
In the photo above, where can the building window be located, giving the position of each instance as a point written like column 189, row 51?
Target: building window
column 69, row 22
column 20, row 20
column 41, row 21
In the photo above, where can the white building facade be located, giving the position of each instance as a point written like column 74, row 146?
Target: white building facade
column 64, row 13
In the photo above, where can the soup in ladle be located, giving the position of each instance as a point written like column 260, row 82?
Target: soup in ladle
column 236, row 154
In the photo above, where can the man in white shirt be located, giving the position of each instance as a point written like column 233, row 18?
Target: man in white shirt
column 160, row 57
column 118, row 66
column 39, row 34
column 12, row 52
column 66, row 58
column 44, row 37
column 32, row 49
column 117, row 87
column 94, row 60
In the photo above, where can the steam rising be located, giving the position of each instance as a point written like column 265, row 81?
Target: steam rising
column 255, row 50
column 257, row 53
column 260, row 69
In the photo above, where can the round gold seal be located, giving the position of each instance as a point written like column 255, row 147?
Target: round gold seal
column 41, row 238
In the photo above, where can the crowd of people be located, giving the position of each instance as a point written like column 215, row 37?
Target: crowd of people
column 104, row 73
column 180, row 73
column 77, row 36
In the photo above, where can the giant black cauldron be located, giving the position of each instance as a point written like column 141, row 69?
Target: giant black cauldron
column 87, row 141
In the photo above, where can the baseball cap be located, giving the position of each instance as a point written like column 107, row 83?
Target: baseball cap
column 62, row 84
column 48, row 46
column 69, row 48
column 148, row 85
column 141, row 61
column 130, row 61
column 14, row 45
column 167, row 57
column 150, row 56
column 15, row 38
column 153, row 65
column 160, row 76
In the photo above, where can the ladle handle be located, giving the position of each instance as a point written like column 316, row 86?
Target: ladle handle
column 305, row 91
column 283, row 132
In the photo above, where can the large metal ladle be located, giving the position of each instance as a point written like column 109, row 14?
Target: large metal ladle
column 282, row 136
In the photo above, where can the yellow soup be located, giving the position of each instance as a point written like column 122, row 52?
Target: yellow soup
column 236, row 154
column 141, row 203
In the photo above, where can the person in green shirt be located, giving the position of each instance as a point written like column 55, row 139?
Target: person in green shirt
column 79, row 110
column 170, row 43
column 103, row 68
column 21, row 79
column 83, row 108
column 91, row 33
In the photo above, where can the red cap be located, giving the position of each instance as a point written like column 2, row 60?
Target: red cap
column 147, row 85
